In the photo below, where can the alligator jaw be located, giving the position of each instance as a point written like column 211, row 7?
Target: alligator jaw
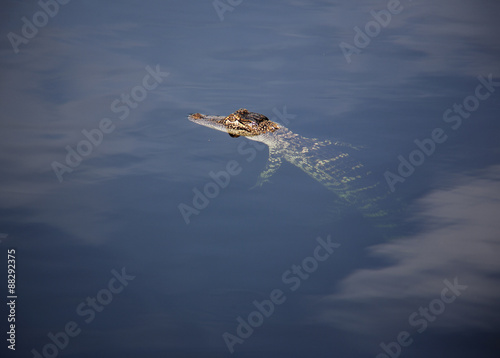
column 213, row 122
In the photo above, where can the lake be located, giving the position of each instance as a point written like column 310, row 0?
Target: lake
column 127, row 230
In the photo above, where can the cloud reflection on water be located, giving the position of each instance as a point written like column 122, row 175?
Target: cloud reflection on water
column 460, row 239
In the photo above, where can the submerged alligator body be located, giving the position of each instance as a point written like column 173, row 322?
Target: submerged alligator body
column 330, row 163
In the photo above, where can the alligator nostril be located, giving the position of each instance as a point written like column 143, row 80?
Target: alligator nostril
column 196, row 116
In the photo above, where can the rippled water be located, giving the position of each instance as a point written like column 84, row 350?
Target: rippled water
column 98, row 157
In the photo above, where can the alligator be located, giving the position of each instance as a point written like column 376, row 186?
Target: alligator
column 329, row 162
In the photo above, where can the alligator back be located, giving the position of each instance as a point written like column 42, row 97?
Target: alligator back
column 334, row 165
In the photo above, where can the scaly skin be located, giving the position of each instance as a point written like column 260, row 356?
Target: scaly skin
column 330, row 163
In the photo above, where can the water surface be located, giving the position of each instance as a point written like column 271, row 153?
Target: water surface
column 115, row 211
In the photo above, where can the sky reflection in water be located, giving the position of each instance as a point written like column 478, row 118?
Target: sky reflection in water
column 119, row 206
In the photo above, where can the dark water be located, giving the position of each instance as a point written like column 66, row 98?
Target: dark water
column 103, row 253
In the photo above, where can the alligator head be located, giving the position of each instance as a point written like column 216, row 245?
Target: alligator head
column 240, row 123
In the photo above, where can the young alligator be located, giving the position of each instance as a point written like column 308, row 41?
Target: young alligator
column 330, row 163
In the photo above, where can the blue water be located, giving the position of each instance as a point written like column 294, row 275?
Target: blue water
column 98, row 157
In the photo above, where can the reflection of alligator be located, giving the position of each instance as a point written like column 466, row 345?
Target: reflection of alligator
column 330, row 163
